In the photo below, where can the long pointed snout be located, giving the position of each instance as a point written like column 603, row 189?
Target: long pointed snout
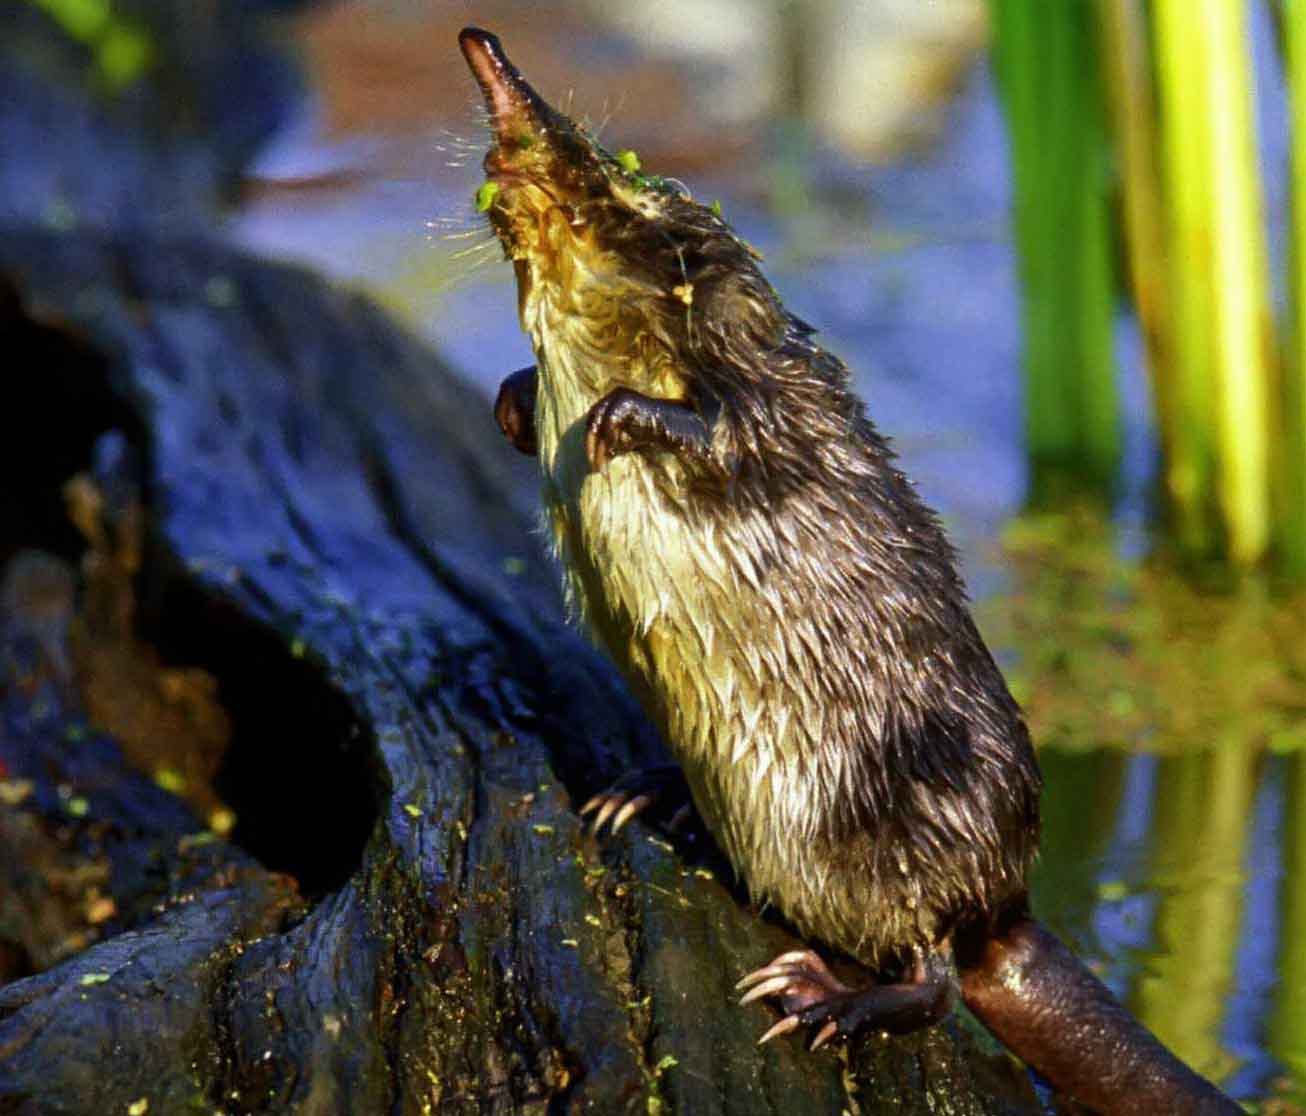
column 512, row 103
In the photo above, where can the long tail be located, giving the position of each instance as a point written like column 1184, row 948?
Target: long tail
column 1040, row 1000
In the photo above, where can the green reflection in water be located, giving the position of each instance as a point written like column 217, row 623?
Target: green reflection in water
column 1113, row 659
column 1199, row 825
column 1080, row 809
column 1287, row 1030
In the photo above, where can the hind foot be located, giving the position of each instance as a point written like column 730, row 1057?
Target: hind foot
column 661, row 788
column 810, row 995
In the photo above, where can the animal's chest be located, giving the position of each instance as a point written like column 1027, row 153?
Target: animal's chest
column 633, row 558
column 671, row 595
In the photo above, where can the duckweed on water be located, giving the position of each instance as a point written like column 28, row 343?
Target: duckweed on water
column 1103, row 652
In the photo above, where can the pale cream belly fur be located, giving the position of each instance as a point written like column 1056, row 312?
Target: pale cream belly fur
column 678, row 605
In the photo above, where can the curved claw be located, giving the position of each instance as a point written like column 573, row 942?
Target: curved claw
column 652, row 789
column 824, row 1035
column 766, row 988
column 787, row 1024
column 629, row 810
column 785, row 963
column 610, row 804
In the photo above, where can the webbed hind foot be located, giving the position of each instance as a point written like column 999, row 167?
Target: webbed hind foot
column 810, row 995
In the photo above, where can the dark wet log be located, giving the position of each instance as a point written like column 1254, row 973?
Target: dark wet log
column 408, row 915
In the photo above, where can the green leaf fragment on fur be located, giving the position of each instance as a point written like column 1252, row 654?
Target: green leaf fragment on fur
column 485, row 195
column 628, row 161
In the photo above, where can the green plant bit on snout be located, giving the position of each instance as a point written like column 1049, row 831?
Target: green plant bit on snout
column 485, row 195
column 628, row 161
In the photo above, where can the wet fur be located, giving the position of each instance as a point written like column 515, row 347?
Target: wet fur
column 788, row 611
column 736, row 534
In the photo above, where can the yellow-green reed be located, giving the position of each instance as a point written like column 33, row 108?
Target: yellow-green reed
column 1293, row 458
column 1131, row 97
column 1181, row 96
column 1245, row 359
column 1217, row 393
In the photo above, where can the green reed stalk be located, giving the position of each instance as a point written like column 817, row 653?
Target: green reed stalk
column 1245, row 363
column 1185, row 145
column 1218, row 274
column 1131, row 98
column 1293, row 535
column 1047, row 69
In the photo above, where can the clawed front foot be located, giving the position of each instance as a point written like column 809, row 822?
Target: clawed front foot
column 810, row 995
column 514, row 410
column 662, row 788
column 609, row 426
column 624, row 421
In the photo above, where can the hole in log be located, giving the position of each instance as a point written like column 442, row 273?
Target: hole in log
column 298, row 769
column 197, row 694
column 58, row 402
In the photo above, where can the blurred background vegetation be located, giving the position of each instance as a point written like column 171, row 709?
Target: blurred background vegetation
column 1061, row 244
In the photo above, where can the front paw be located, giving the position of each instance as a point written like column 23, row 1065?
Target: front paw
column 514, row 410
column 609, row 426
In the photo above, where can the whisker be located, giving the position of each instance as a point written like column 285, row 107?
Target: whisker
column 473, row 251
column 609, row 112
column 466, row 234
